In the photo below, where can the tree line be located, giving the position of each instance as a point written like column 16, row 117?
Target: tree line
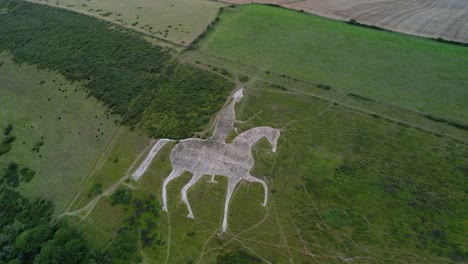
column 137, row 80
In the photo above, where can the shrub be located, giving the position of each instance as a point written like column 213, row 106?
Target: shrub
column 5, row 145
column 27, row 174
column 11, row 175
column 121, row 196
column 8, row 130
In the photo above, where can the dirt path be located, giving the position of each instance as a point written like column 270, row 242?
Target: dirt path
column 84, row 186
column 84, row 212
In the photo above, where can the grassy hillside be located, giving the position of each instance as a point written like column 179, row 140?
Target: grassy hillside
column 43, row 107
column 405, row 71
column 344, row 185
column 140, row 82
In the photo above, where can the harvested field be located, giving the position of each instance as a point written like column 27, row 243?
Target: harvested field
column 428, row 18
column 177, row 21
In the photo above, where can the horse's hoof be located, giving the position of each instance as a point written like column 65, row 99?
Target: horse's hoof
column 164, row 209
column 190, row 216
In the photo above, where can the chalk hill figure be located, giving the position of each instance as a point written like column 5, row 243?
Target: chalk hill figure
column 213, row 156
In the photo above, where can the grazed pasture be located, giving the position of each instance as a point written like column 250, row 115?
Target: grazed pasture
column 343, row 185
column 44, row 107
column 447, row 19
column 178, row 21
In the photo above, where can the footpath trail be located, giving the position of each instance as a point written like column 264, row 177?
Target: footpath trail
column 84, row 212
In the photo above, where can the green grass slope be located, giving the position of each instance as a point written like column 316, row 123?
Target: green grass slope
column 405, row 71
column 44, row 107
column 344, row 185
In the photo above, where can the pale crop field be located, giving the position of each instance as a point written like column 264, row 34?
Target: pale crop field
column 177, row 21
column 435, row 19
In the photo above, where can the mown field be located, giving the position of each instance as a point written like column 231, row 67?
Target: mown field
column 74, row 130
column 344, row 185
column 408, row 72
column 177, row 21
column 433, row 19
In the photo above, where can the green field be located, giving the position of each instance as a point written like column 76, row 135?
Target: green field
column 43, row 107
column 344, row 185
column 177, row 21
column 405, row 71
column 361, row 174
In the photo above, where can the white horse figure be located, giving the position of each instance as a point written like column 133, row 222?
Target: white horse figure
column 213, row 156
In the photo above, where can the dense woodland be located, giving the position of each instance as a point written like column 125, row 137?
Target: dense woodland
column 137, row 80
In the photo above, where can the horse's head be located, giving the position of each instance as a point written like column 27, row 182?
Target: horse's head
column 237, row 96
column 273, row 138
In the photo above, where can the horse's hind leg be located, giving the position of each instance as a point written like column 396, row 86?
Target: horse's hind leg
column 194, row 179
column 213, row 179
column 174, row 174
column 231, row 186
column 251, row 178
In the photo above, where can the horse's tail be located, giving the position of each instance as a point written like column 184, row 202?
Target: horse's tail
column 149, row 158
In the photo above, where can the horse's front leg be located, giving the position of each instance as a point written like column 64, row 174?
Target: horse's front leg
column 174, row 174
column 251, row 178
column 194, row 179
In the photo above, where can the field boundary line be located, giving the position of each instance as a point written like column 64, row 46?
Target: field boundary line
column 134, row 30
column 98, row 164
column 339, row 102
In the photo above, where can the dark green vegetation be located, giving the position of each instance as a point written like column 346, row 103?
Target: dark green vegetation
column 121, row 196
column 95, row 190
column 27, row 233
column 140, row 82
column 5, row 144
column 405, row 71
column 30, row 235
column 139, row 230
